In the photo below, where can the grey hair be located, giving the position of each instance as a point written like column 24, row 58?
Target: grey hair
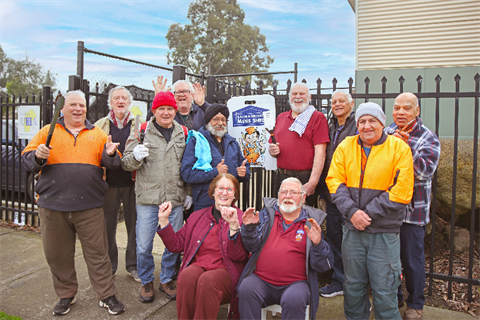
column 346, row 94
column 299, row 84
column 110, row 94
column 190, row 86
column 75, row 93
column 294, row 180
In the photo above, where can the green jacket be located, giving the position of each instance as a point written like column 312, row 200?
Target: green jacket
column 158, row 180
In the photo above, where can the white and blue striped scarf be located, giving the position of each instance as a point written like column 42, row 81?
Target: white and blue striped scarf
column 301, row 121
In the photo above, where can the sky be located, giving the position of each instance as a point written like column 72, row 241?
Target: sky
column 317, row 34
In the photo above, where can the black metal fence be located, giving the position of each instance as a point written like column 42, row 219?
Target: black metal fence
column 17, row 196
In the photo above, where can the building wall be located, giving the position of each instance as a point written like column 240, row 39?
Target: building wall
column 417, row 33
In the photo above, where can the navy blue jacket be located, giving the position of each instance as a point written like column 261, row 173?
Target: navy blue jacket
column 199, row 179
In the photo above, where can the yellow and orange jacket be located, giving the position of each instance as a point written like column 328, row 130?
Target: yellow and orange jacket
column 72, row 178
column 382, row 187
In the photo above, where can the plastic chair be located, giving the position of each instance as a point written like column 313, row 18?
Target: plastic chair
column 276, row 308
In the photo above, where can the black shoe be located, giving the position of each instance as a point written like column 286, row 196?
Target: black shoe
column 63, row 306
column 113, row 305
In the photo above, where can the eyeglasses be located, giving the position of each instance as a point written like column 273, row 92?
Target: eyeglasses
column 292, row 193
column 223, row 189
column 180, row 92
column 224, row 120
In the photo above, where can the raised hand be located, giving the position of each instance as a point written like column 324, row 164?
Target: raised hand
column 242, row 170
column 274, row 149
column 222, row 167
column 250, row 216
column 111, row 147
column 199, row 96
column 164, row 211
column 402, row 135
column 140, row 152
column 315, row 233
column 229, row 214
column 160, row 85
column 42, row 152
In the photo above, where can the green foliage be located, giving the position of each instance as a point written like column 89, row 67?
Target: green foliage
column 4, row 316
column 23, row 76
column 217, row 41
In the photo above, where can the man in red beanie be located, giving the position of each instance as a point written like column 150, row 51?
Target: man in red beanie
column 157, row 161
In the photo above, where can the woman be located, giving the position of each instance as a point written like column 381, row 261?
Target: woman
column 213, row 252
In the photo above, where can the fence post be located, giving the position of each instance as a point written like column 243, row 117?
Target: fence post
column 178, row 73
column 73, row 83
column 210, row 88
column 80, row 48
column 295, row 68
column 46, row 105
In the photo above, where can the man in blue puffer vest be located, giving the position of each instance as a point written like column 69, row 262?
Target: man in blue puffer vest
column 227, row 157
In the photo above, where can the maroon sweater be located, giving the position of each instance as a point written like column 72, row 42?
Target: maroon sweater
column 282, row 259
column 189, row 238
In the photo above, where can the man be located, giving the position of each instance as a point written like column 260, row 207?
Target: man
column 119, row 123
column 341, row 126
column 285, row 240
column 157, row 162
column 425, row 148
column 305, row 129
column 190, row 114
column 371, row 182
column 223, row 152
column 70, row 199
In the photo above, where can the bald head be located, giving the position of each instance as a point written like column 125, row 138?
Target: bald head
column 405, row 109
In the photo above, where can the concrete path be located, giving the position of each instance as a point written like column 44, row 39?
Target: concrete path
column 26, row 288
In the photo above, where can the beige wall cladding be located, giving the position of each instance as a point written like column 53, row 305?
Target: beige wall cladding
column 417, row 33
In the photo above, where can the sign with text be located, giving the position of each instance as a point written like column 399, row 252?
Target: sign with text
column 28, row 121
column 249, row 114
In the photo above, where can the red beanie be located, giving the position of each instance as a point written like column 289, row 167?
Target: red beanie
column 164, row 99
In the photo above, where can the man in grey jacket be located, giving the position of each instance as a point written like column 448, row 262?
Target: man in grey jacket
column 157, row 161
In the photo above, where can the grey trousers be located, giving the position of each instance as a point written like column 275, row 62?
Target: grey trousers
column 113, row 197
column 59, row 231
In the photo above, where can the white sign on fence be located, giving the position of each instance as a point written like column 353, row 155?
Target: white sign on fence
column 28, row 121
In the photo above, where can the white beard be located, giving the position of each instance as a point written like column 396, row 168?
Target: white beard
column 300, row 109
column 287, row 208
column 214, row 132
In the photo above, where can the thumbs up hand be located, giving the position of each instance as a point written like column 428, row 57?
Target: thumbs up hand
column 111, row 147
column 221, row 167
column 242, row 170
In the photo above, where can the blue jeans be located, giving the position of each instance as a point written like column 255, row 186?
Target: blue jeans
column 412, row 255
column 147, row 222
column 334, row 239
column 374, row 258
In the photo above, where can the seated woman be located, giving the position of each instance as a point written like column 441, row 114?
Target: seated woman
column 213, row 252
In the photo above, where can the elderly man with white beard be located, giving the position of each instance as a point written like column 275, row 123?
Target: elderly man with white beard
column 209, row 152
column 288, row 251
column 301, row 140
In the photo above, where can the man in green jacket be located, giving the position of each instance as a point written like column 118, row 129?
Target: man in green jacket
column 157, row 161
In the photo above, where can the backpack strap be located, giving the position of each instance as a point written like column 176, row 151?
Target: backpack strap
column 185, row 132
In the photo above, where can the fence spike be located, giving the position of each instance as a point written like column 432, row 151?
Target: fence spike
column 304, row 81
column 367, row 80
column 438, row 78
column 476, row 77
column 384, row 80
column 419, row 79
column 401, row 79
column 319, row 81
column 457, row 77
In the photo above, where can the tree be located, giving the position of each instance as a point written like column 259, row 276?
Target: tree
column 23, row 76
column 217, row 41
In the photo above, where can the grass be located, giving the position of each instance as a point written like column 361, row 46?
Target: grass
column 4, row 316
